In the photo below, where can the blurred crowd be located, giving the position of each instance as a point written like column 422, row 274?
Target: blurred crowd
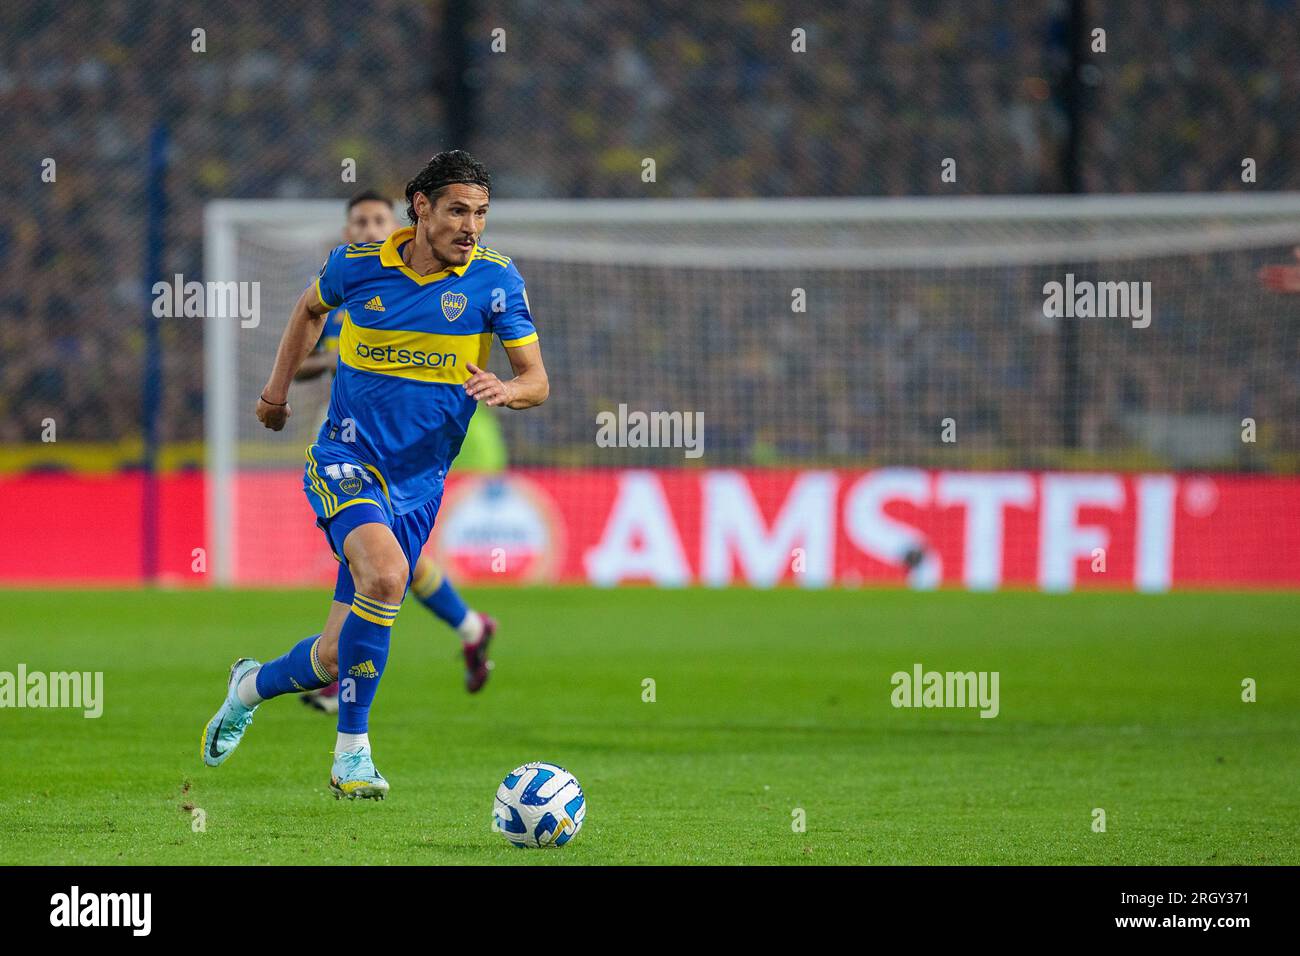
column 847, row 98
column 878, row 362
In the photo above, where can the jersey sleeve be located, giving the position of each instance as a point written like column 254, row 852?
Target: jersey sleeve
column 329, row 283
column 514, row 323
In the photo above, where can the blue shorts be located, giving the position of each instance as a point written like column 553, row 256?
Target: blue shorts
column 346, row 493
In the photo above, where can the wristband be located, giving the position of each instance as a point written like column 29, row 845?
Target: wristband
column 276, row 404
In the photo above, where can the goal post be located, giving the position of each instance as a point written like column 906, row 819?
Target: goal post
column 824, row 333
column 307, row 224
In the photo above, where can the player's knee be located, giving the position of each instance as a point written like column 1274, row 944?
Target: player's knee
column 390, row 586
column 383, row 582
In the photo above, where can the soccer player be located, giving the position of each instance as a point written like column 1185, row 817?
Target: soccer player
column 370, row 219
column 422, row 308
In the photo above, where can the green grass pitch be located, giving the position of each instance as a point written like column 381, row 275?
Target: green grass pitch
column 766, row 702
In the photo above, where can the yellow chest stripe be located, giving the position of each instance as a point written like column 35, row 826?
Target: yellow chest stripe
column 420, row 356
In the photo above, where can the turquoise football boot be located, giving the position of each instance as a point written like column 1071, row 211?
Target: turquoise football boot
column 222, row 734
column 354, row 775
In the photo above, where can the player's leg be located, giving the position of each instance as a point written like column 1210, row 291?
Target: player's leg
column 379, row 573
column 380, row 557
column 299, row 669
column 302, row 669
column 326, row 699
column 434, row 590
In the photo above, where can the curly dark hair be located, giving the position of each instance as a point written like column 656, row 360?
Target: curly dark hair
column 448, row 167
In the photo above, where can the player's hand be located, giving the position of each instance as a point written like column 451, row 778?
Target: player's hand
column 1281, row 278
column 485, row 387
column 272, row 416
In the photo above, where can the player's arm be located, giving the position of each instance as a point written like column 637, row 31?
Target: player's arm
column 325, row 357
column 513, row 324
column 317, row 364
column 529, row 387
column 300, row 336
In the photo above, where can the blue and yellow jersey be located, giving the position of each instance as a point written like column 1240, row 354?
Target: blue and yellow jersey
column 404, row 344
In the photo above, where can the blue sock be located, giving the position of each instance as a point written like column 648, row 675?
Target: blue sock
column 434, row 591
column 294, row 672
column 363, row 651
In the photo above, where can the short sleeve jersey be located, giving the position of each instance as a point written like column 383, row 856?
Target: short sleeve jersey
column 404, row 342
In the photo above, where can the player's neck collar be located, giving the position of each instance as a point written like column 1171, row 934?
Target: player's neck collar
column 390, row 255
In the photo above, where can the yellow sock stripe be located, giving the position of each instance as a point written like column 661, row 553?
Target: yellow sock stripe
column 379, row 607
column 317, row 667
column 366, row 615
column 386, row 618
column 383, row 605
column 427, row 581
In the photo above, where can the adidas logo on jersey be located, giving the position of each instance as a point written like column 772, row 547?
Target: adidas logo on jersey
column 364, row 669
column 375, row 305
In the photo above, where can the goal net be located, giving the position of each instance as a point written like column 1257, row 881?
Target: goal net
column 1099, row 333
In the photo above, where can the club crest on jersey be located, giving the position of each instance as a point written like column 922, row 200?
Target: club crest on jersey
column 453, row 304
column 350, row 486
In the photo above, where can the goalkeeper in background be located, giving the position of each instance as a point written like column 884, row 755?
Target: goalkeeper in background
column 370, row 219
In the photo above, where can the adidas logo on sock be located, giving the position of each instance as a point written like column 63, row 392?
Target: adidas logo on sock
column 375, row 305
column 364, row 669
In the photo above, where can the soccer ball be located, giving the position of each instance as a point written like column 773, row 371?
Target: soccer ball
column 539, row 804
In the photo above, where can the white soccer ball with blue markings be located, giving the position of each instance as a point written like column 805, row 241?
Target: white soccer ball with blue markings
column 539, row 804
